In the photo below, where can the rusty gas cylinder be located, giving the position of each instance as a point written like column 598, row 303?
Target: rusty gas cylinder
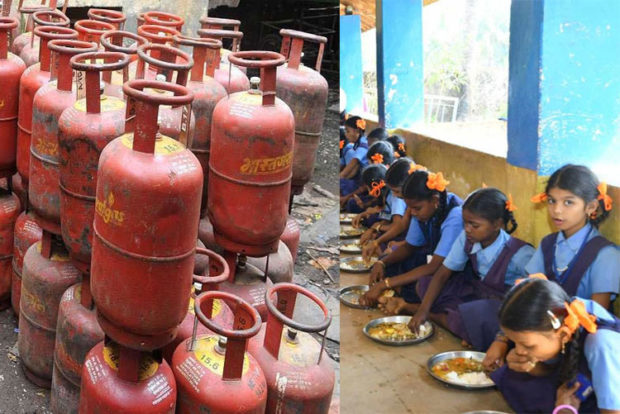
column 47, row 273
column 291, row 236
column 48, row 104
column 207, row 93
column 27, row 233
column 92, row 30
column 116, row 379
column 19, row 190
column 223, row 366
column 250, row 164
column 25, row 38
column 167, row 63
column 116, row 41
column 30, row 52
column 77, row 332
column 146, row 224
column 31, row 81
column 232, row 78
column 9, row 211
column 160, row 18
column 84, row 129
column 217, row 271
column 11, row 70
column 299, row 378
column 305, row 91
column 114, row 17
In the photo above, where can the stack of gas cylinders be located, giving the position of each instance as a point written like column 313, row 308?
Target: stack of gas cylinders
column 145, row 192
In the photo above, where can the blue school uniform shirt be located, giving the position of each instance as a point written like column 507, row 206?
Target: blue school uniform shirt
column 601, row 352
column 347, row 154
column 393, row 206
column 360, row 152
column 457, row 258
column 603, row 275
column 449, row 230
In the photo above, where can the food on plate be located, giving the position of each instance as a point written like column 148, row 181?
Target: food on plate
column 465, row 371
column 395, row 331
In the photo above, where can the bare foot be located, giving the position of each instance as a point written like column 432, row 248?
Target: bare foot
column 391, row 306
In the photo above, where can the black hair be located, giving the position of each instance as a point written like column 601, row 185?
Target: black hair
column 399, row 145
column 343, row 140
column 383, row 148
column 375, row 173
column 415, row 188
column 581, row 181
column 343, row 117
column 490, row 204
column 377, row 134
column 351, row 122
column 525, row 309
column 398, row 172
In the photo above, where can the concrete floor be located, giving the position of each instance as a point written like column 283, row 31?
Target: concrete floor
column 393, row 379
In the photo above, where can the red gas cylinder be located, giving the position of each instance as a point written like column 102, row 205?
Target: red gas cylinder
column 207, row 93
column 84, row 129
column 139, row 19
column 227, row 24
column 115, row 18
column 116, row 379
column 250, row 164
column 205, row 234
column 19, row 42
column 27, row 233
column 164, row 19
column 48, row 104
column 146, row 224
column 32, row 79
column 11, row 69
column 299, row 379
column 216, row 272
column 91, row 30
column 77, row 332
column 280, row 264
column 166, row 63
column 30, row 52
column 19, row 190
column 305, row 91
column 215, row 374
column 48, row 272
column 160, row 35
column 9, row 211
column 114, row 41
column 231, row 78
column 291, row 236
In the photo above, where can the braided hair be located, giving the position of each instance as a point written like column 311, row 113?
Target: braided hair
column 351, row 122
column 490, row 204
column 415, row 188
column 374, row 174
column 398, row 172
column 399, row 145
column 383, row 148
column 581, row 181
column 525, row 309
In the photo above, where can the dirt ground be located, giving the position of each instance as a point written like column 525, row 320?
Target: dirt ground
column 316, row 213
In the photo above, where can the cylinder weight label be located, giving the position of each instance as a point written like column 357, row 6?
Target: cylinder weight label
column 205, row 354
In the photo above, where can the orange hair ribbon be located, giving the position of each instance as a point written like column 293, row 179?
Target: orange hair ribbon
column 401, row 147
column 607, row 201
column 539, row 198
column 341, row 144
column 361, row 124
column 376, row 189
column 540, row 276
column 510, row 206
column 436, row 182
column 377, row 158
column 579, row 316
column 416, row 167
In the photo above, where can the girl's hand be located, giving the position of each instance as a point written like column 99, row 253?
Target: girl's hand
column 566, row 395
column 358, row 201
column 391, row 306
column 367, row 236
column 370, row 298
column 495, row 356
column 358, row 219
column 418, row 319
column 377, row 273
column 369, row 250
column 519, row 363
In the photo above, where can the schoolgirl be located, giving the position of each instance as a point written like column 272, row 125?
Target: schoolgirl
column 354, row 157
column 400, row 149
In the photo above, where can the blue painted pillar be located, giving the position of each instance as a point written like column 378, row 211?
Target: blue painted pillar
column 564, row 95
column 400, row 69
column 351, row 72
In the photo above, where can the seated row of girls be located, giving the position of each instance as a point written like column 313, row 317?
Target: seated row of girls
column 576, row 203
